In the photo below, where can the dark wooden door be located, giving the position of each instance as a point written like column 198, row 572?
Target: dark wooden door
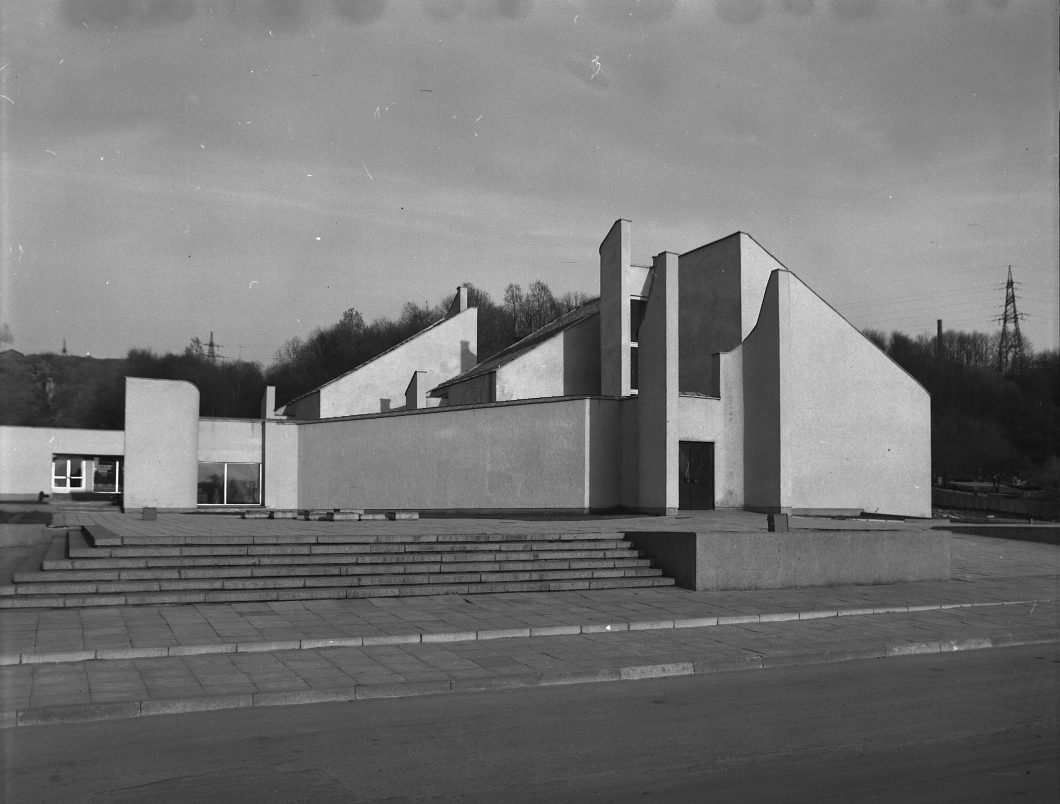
column 696, row 474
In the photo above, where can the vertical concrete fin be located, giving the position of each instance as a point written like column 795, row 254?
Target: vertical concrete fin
column 761, row 371
column 657, row 403
column 786, row 372
column 614, row 310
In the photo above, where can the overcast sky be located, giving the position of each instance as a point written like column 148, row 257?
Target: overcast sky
column 172, row 167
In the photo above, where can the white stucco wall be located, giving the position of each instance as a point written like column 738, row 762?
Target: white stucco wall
column 856, row 427
column 567, row 364
column 605, row 453
column 161, row 443
column 280, row 469
column 507, row 456
column 26, row 455
column 235, row 440
column 442, row 351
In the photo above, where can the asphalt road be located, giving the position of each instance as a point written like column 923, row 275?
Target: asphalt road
column 974, row 726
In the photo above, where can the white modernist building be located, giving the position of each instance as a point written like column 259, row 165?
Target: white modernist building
column 715, row 378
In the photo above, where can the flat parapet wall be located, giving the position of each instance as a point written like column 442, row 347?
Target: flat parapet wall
column 537, row 454
column 729, row 561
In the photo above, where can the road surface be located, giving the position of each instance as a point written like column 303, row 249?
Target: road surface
column 972, row 726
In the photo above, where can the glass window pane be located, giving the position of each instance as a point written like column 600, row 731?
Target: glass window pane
column 105, row 477
column 211, row 483
column 243, row 484
column 634, row 368
column 60, row 467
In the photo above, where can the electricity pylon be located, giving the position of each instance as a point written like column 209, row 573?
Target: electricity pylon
column 1010, row 355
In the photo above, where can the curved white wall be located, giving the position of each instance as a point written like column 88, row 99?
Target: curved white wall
column 161, row 443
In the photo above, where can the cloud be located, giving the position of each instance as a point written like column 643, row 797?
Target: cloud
column 443, row 10
column 359, row 12
column 618, row 13
column 853, row 9
column 449, row 10
column 131, row 13
column 739, row 12
column 800, row 8
column 504, row 9
column 268, row 15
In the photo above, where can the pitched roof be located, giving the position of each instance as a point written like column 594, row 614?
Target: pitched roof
column 520, row 348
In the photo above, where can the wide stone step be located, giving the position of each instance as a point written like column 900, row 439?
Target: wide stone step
column 81, row 599
column 292, row 570
column 81, row 547
column 99, row 536
column 289, row 582
column 51, row 564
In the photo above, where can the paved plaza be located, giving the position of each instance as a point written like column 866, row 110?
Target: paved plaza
column 64, row 665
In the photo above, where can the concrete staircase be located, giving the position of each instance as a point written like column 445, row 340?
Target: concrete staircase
column 93, row 566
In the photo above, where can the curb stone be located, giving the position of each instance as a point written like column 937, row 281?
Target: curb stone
column 378, row 640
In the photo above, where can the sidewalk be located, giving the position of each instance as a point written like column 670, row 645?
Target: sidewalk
column 100, row 663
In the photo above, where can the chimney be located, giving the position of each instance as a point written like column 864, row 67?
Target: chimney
column 268, row 403
column 416, row 392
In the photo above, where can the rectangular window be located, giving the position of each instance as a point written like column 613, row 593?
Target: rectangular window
column 229, row 483
column 637, row 308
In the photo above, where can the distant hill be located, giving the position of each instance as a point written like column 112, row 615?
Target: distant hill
column 50, row 390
